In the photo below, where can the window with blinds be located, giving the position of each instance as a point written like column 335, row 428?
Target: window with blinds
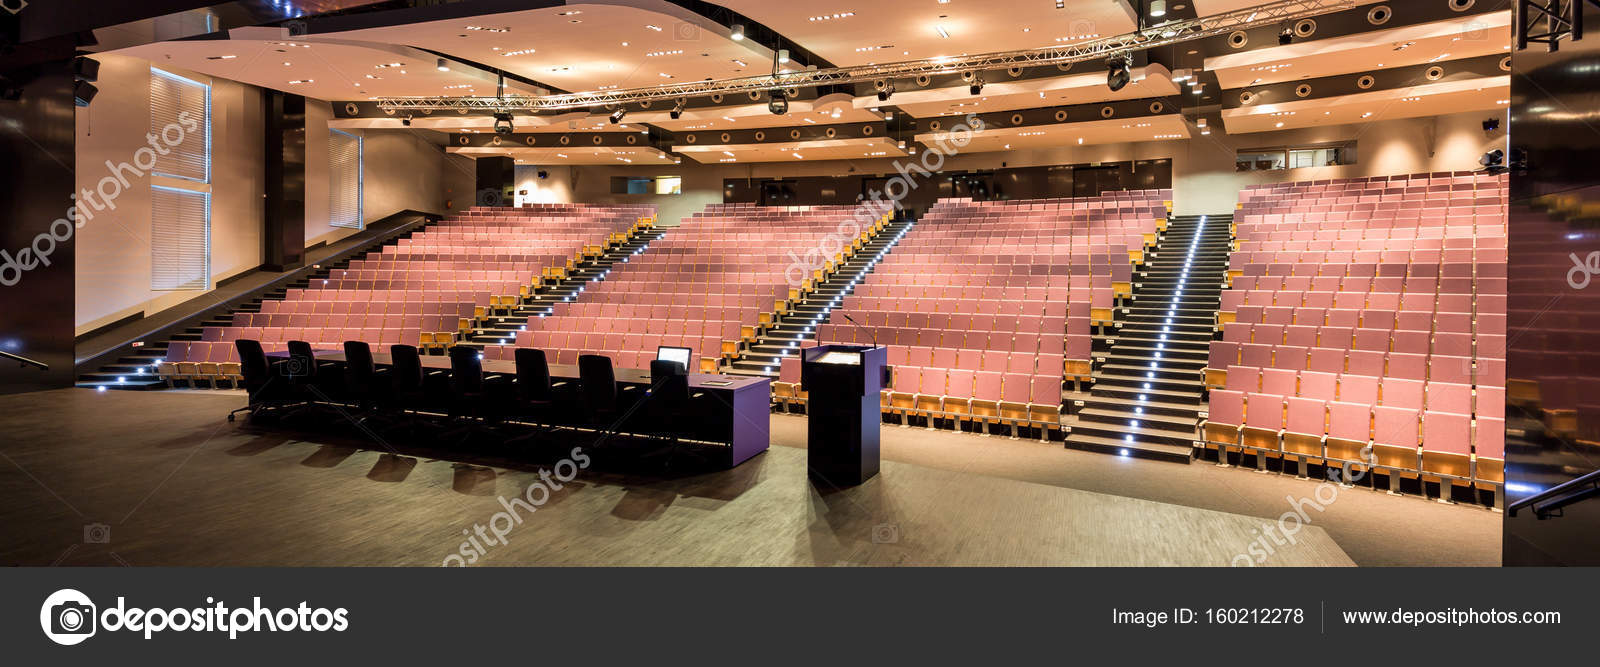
column 344, row 173
column 180, row 239
column 180, row 119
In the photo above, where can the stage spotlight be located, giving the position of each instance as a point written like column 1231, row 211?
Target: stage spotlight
column 677, row 111
column 1493, row 161
column 502, row 123
column 1117, row 75
column 738, row 32
column 1491, row 124
column 783, row 56
column 887, row 92
column 1286, row 37
column 442, row 66
column 616, row 116
column 406, row 121
column 83, row 93
column 779, row 104
column 977, row 86
column 544, row 174
column 87, row 69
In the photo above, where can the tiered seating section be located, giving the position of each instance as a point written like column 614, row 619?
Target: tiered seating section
column 425, row 290
column 1555, row 373
column 988, row 306
column 706, row 285
column 1368, row 311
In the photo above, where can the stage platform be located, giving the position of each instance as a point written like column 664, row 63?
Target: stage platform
column 177, row 485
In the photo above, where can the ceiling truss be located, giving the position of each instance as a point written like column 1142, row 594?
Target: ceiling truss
column 1175, row 32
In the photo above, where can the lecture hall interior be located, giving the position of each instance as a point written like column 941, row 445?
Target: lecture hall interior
column 740, row 282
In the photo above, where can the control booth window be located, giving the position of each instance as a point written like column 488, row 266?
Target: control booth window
column 1295, row 157
column 646, row 185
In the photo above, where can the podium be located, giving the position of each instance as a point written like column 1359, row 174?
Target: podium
column 842, row 410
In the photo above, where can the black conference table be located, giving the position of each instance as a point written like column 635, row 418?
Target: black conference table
column 737, row 407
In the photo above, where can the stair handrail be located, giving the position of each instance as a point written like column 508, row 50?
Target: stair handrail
column 1559, row 496
column 25, row 361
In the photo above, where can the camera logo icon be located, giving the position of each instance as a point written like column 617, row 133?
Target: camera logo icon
column 886, row 533
column 296, row 367
column 686, row 32
column 96, row 533
column 68, row 617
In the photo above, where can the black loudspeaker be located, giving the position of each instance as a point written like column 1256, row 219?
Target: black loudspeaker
column 87, row 69
column 83, row 93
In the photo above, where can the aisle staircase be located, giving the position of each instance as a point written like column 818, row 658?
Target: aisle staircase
column 797, row 327
column 500, row 328
column 1148, row 390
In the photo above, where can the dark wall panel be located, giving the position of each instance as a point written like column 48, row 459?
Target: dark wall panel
column 285, row 225
column 37, row 138
column 1553, row 368
column 1003, row 183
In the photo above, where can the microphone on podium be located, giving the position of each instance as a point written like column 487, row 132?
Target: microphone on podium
column 871, row 333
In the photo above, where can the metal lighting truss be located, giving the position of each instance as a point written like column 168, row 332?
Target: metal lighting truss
column 1175, row 32
column 1561, row 19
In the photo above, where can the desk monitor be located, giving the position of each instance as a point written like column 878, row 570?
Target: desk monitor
column 680, row 355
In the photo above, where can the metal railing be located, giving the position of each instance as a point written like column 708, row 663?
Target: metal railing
column 24, row 360
column 1548, row 503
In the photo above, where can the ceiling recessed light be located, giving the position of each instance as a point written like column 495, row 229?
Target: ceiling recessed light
column 518, row 52
column 654, row 27
column 942, row 32
column 300, row 81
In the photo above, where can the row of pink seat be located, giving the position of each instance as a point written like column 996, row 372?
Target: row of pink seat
column 1456, row 397
column 409, row 293
column 306, row 307
column 709, row 252
column 1367, row 311
column 1414, row 337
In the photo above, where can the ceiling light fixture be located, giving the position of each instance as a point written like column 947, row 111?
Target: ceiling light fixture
column 942, row 32
column 738, row 32
column 1158, row 8
column 616, row 116
column 442, row 66
column 1117, row 75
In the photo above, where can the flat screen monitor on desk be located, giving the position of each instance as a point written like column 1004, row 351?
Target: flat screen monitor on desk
column 679, row 355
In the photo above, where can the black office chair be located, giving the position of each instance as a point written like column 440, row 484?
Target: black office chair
column 364, row 382
column 605, row 406
column 670, row 406
column 265, row 390
column 536, row 393
column 407, row 390
column 473, row 404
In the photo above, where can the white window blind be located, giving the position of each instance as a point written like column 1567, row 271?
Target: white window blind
column 180, row 239
column 180, row 119
column 344, row 188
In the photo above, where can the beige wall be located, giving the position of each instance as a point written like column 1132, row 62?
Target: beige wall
column 1204, row 180
column 403, row 170
column 113, row 249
